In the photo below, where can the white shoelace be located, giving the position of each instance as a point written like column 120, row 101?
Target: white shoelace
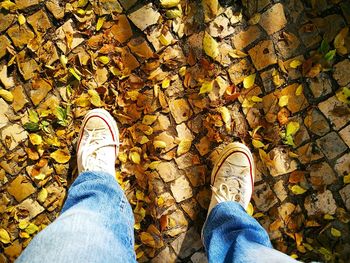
column 230, row 188
column 91, row 156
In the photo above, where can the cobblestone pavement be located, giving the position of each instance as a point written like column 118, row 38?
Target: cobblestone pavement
column 183, row 78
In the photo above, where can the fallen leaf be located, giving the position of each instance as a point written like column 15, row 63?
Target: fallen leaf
column 31, row 229
column 42, row 195
column 292, row 128
column 346, row 179
column 248, row 82
column 283, row 101
column 4, row 236
column 169, row 3
column 149, row 119
column 295, row 63
column 100, row 23
column 135, row 157
column 257, row 144
column 7, row 81
column 250, row 209
column 104, row 59
column 159, row 144
column 95, row 98
column 21, row 19
column 297, row 190
column 206, row 87
column 183, row 147
column 61, row 156
column 330, row 55
column 6, row 95
column 335, row 232
column 211, row 8
column 226, row 117
column 299, row 90
column 35, row 139
column 237, row 54
column 256, row 99
column 210, row 46
column 147, row 239
column 74, row 73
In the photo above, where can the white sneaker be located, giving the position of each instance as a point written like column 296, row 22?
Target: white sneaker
column 232, row 178
column 98, row 142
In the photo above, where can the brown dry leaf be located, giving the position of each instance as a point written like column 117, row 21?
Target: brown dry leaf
column 314, row 71
column 339, row 41
column 61, row 156
column 211, row 8
column 147, row 239
column 254, row 19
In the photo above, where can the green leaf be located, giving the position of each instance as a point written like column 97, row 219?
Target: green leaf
column 330, row 55
column 33, row 116
column 324, row 48
column 75, row 74
column 31, row 126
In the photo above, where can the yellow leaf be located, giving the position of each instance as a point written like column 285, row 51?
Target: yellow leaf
column 257, row 144
column 237, row 54
column 339, row 41
column 23, row 224
column 292, row 128
column 95, row 98
column 165, row 83
column 256, row 99
column 159, row 144
column 250, row 209
column 258, row 215
column 149, row 119
column 74, row 73
column 182, row 71
column 184, row 146
column 61, row 156
column 153, row 165
column 135, row 157
column 335, row 232
column 147, row 239
column 299, row 90
column 297, row 190
column 226, row 117
column 40, row 176
column 328, row 217
column 277, row 80
column 169, row 3
column 295, row 256
column 163, row 40
column 42, row 195
column 100, row 23
column 254, row 19
column 210, row 46
column 82, row 3
column 247, row 103
column 103, row 59
column 206, row 87
column 173, row 13
column 6, row 95
column 346, row 179
column 248, row 82
column 295, row 63
column 24, row 235
column 8, row 5
column 21, row 19
column 283, row 101
column 4, row 236
column 31, row 229
column 35, row 139
column 123, row 157
column 83, row 100
column 144, row 139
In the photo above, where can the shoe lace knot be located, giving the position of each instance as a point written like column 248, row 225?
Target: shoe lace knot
column 229, row 186
column 92, row 155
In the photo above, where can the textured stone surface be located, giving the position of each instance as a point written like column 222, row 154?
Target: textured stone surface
column 181, row 189
column 331, row 145
column 246, row 37
column 273, row 19
column 334, row 110
column 263, row 54
column 144, row 16
column 342, row 72
column 21, row 188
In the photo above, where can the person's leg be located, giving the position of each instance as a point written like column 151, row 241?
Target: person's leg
column 229, row 233
column 97, row 223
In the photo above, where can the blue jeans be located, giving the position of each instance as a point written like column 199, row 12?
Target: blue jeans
column 96, row 225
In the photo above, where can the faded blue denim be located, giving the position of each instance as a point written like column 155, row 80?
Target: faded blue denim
column 96, row 225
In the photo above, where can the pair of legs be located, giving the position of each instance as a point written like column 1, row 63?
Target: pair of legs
column 96, row 223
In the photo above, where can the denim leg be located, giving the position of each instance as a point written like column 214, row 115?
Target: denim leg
column 96, row 225
column 231, row 235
